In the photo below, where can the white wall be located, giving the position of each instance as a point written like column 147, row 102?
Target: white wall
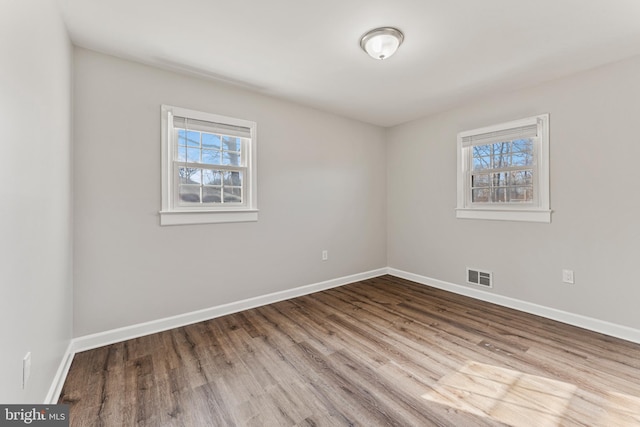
column 35, row 189
column 595, row 198
column 322, row 185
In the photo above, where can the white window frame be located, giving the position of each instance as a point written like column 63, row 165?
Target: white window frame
column 536, row 211
column 175, row 213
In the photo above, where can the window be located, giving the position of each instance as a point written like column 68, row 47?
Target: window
column 208, row 168
column 503, row 171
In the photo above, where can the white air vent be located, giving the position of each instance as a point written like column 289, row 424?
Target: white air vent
column 479, row 277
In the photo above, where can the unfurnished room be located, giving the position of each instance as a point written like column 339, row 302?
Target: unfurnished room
column 305, row 213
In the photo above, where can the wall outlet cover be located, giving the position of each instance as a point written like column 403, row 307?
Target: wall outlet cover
column 567, row 276
column 26, row 369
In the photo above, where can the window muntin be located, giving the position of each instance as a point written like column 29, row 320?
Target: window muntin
column 503, row 171
column 208, row 168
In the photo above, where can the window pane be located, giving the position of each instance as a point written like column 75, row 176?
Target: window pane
column 231, row 143
column 480, row 195
column 480, row 163
column 231, row 158
column 521, row 159
column 193, row 154
column 210, row 140
column 212, row 177
column 190, row 175
column 210, row 157
column 189, row 193
column 193, row 138
column 232, row 195
column 499, row 195
column 182, row 154
column 521, row 194
column 480, row 180
column 501, row 155
column 481, row 150
column 211, row 195
column 233, row 178
column 522, row 145
column 501, row 148
column 182, row 137
column 524, row 177
column 499, row 179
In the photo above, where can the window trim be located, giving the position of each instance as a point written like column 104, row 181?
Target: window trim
column 173, row 214
column 536, row 211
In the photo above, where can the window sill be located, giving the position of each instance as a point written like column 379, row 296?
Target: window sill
column 505, row 214
column 207, row 217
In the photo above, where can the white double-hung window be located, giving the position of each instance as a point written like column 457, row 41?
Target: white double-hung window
column 503, row 171
column 208, row 168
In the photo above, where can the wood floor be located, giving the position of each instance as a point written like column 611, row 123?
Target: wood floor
column 379, row 352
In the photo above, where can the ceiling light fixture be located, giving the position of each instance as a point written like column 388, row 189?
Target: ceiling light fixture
column 381, row 43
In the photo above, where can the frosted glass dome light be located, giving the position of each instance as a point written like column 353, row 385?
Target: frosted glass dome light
column 381, row 43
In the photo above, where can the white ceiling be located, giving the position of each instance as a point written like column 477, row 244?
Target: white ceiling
column 307, row 51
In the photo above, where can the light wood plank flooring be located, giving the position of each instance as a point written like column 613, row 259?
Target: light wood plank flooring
column 381, row 352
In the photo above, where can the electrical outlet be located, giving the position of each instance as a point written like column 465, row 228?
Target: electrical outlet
column 567, row 276
column 26, row 369
column 325, row 255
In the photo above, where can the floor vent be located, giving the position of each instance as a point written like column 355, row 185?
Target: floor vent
column 478, row 277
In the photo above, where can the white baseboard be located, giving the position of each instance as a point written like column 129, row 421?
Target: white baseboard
column 100, row 339
column 61, row 375
column 89, row 342
column 611, row 329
